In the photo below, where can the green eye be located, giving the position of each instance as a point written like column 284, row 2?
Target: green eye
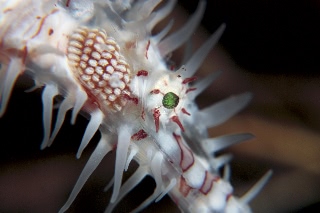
column 170, row 100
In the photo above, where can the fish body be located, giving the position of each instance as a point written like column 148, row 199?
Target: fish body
column 102, row 58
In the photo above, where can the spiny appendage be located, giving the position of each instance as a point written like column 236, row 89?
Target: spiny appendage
column 151, row 162
column 102, row 70
column 10, row 69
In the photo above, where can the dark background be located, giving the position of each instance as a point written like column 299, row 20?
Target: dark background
column 277, row 37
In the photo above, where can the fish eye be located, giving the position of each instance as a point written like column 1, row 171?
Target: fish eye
column 170, row 100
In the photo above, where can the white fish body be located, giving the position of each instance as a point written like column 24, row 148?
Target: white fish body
column 102, row 58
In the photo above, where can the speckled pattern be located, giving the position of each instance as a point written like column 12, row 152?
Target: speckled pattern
column 96, row 61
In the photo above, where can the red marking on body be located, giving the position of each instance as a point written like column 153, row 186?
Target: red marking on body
column 172, row 67
column 134, row 100
column 228, row 197
column 184, row 188
column 42, row 22
column 50, row 32
column 141, row 134
column 177, row 121
column 68, row 3
column 208, row 183
column 155, row 91
column 143, row 114
column 156, row 116
column 183, row 110
column 147, row 48
column 187, row 159
column 188, row 80
column 142, row 73
column 190, row 90
column 114, row 146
